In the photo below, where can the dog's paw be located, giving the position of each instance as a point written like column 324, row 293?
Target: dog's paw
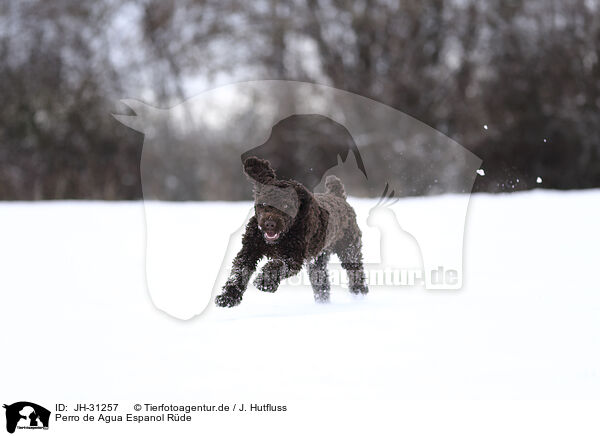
column 265, row 283
column 321, row 298
column 226, row 300
column 359, row 290
column 229, row 298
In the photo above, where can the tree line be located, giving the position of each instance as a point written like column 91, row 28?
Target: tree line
column 516, row 82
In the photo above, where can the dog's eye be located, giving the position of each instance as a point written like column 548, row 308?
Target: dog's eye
column 263, row 204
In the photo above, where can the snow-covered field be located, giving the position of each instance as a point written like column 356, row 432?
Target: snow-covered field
column 515, row 351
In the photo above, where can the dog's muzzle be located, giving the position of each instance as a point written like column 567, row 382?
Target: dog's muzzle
column 270, row 232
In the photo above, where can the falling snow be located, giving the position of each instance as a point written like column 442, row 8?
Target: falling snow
column 538, row 180
column 481, row 172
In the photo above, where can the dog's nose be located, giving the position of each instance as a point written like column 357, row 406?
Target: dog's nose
column 269, row 225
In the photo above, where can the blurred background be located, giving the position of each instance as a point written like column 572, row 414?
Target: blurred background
column 517, row 82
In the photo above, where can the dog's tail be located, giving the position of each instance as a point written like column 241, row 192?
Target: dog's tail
column 334, row 186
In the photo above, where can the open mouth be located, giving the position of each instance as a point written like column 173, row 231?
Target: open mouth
column 271, row 236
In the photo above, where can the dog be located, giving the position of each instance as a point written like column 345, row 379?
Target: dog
column 292, row 227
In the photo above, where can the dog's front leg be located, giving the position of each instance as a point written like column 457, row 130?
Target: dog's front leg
column 243, row 267
column 274, row 272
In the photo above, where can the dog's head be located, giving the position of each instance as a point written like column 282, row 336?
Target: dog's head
column 277, row 203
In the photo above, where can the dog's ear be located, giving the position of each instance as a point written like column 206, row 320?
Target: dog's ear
column 259, row 170
column 311, row 220
column 306, row 199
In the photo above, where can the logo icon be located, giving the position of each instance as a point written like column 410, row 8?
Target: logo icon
column 26, row 415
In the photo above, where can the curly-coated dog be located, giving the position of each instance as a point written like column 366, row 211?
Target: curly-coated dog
column 291, row 227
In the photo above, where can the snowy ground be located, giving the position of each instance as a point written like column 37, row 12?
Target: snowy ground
column 516, row 351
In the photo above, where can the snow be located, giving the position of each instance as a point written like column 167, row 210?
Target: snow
column 538, row 180
column 515, row 351
column 481, row 172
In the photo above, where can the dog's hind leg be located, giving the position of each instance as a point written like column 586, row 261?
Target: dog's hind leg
column 349, row 253
column 319, row 278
